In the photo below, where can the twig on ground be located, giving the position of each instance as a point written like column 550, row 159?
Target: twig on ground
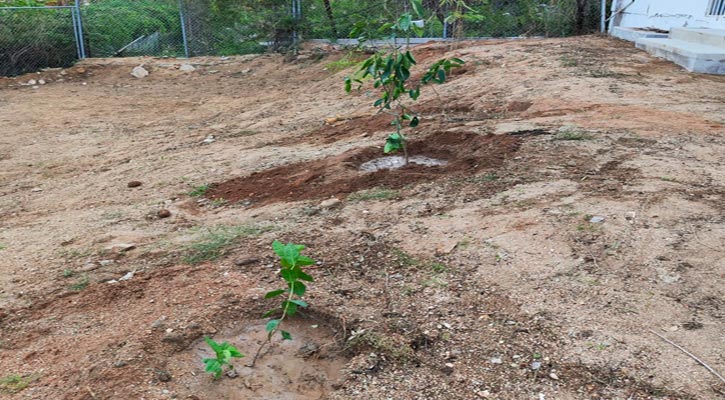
column 694, row 357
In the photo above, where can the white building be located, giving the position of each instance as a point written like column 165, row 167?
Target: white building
column 667, row 14
column 690, row 33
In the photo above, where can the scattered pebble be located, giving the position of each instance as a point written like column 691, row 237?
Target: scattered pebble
column 209, row 140
column 187, row 68
column 554, row 376
column 232, row 373
column 245, row 261
column 164, row 213
column 134, row 184
column 496, row 360
column 597, row 220
column 331, row 203
column 139, row 72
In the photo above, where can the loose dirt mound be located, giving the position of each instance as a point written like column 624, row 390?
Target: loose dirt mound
column 466, row 153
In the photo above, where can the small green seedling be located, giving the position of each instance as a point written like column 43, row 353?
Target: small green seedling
column 292, row 262
column 199, row 191
column 224, row 353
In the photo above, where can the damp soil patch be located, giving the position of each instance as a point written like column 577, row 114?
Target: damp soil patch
column 305, row 368
column 461, row 154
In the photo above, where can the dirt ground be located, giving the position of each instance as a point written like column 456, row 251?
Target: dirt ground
column 582, row 210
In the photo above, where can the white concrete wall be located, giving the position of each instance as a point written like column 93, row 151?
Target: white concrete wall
column 666, row 14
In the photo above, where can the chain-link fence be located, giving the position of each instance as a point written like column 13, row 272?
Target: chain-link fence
column 34, row 38
column 37, row 37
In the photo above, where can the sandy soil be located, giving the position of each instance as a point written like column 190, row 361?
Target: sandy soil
column 485, row 278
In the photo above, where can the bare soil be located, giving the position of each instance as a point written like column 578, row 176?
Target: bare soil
column 583, row 205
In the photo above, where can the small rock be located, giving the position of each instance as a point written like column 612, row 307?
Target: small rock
column 535, row 365
column 139, row 72
column 596, row 220
column 330, row 121
column 89, row 266
column 134, row 184
column 163, row 213
column 187, row 68
column 308, row 350
column 630, row 216
column 174, row 337
column 554, row 376
column 232, row 373
column 447, row 368
column 209, row 139
column 496, row 360
column 120, row 364
column 121, row 247
column 41, row 82
column 127, row 277
column 36, row 190
column 32, row 82
column 159, row 323
column 331, row 203
column 105, row 263
column 245, row 261
column 161, row 375
column 484, row 394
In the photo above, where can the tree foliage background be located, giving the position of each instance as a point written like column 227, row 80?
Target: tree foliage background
column 32, row 39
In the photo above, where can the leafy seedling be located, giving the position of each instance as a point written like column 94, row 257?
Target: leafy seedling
column 292, row 262
column 224, row 353
column 390, row 73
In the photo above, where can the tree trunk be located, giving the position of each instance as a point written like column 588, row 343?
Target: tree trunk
column 581, row 11
column 331, row 16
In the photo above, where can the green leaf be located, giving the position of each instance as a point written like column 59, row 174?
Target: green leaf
column 417, row 6
column 303, row 276
column 410, row 57
column 270, row 313
column 304, row 260
column 441, row 76
column 274, row 293
column 300, row 303
column 414, row 122
column 290, row 307
column 348, row 84
column 285, row 335
column 298, row 288
column 404, row 22
column 272, row 325
column 393, row 143
column 214, row 345
column 278, row 247
column 458, row 61
column 290, row 274
column 234, row 352
column 213, row 366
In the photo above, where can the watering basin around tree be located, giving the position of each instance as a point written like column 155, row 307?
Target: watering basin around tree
column 395, row 162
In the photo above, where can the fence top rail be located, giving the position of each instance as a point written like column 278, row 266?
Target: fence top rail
column 34, row 8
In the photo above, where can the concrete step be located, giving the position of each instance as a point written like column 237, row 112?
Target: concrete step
column 694, row 57
column 709, row 37
column 632, row 34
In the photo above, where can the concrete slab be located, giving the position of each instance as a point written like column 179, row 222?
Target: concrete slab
column 632, row 34
column 710, row 37
column 693, row 56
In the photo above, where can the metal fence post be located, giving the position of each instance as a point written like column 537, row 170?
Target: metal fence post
column 81, row 45
column 603, row 20
column 182, row 20
column 75, row 32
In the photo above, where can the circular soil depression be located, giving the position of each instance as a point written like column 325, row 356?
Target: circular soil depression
column 465, row 153
column 304, row 368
